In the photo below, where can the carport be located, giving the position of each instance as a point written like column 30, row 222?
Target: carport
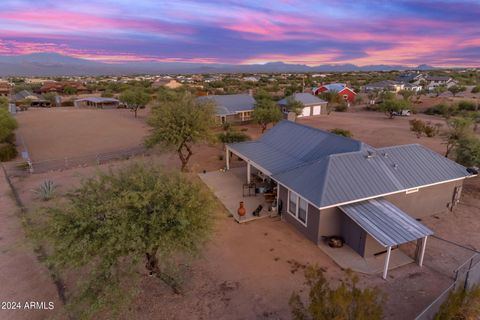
column 389, row 226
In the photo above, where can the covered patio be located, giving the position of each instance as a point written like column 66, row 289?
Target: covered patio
column 389, row 226
column 230, row 188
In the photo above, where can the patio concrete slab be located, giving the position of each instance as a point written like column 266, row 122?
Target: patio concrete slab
column 228, row 188
column 347, row 258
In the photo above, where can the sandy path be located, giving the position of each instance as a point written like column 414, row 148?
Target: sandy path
column 22, row 277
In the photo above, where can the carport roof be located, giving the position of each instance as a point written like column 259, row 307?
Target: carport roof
column 385, row 222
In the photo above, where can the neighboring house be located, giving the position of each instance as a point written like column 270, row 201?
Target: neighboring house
column 232, row 108
column 97, row 102
column 251, row 79
column 433, row 82
column 35, row 100
column 413, row 87
column 386, row 85
column 411, row 77
column 345, row 92
column 5, row 88
column 167, row 83
column 329, row 185
column 313, row 105
column 59, row 87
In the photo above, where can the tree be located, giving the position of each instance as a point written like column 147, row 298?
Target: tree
column 266, row 112
column 417, row 126
column 461, row 304
column 178, row 122
column 117, row 220
column 458, row 128
column 342, row 132
column 347, row 301
column 393, row 106
column 439, row 90
column 69, row 90
column 295, row 106
column 8, row 124
column 50, row 97
column 135, row 99
column 3, row 103
column 468, row 151
column 454, row 90
column 406, row 94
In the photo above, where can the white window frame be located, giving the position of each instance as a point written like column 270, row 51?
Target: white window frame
column 295, row 215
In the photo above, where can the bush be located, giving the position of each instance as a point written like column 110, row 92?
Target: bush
column 476, row 89
column 232, row 136
column 468, row 151
column 466, row 105
column 418, row 126
column 461, row 305
column 46, row 191
column 442, row 109
column 7, row 152
column 342, row 132
column 342, row 107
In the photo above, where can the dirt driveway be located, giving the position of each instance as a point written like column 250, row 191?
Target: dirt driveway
column 58, row 133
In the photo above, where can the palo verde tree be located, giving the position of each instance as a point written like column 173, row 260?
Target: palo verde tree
column 116, row 222
column 266, row 112
column 392, row 106
column 135, row 99
column 468, row 151
column 454, row 90
column 458, row 129
column 347, row 301
column 180, row 121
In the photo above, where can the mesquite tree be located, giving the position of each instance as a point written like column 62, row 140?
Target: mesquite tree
column 180, row 121
column 114, row 222
column 135, row 99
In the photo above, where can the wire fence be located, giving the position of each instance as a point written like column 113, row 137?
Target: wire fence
column 466, row 277
column 26, row 167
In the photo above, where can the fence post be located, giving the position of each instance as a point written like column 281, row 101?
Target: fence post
column 465, row 285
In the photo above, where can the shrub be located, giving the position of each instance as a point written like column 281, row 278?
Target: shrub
column 347, row 301
column 342, row 132
column 466, row 105
column 232, row 136
column 7, row 152
column 468, row 151
column 46, row 191
column 226, row 126
column 417, row 126
column 461, row 305
column 342, row 107
column 442, row 109
column 476, row 89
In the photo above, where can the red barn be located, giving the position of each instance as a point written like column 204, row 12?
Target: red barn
column 344, row 91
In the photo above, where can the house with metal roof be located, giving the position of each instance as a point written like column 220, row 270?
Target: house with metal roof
column 27, row 97
column 329, row 185
column 231, row 108
column 341, row 88
column 312, row 105
column 97, row 102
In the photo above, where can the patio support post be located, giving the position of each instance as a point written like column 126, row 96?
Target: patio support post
column 422, row 252
column 249, row 169
column 227, row 157
column 387, row 262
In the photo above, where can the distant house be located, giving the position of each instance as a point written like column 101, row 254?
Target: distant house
column 97, row 102
column 251, row 79
column 59, row 87
column 435, row 81
column 410, row 77
column 313, row 105
column 233, row 108
column 328, row 185
column 386, row 85
column 34, row 100
column 5, row 88
column 167, row 83
column 345, row 92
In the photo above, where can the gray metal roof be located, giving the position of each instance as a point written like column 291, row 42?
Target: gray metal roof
column 289, row 145
column 341, row 178
column 230, row 104
column 306, row 98
column 22, row 95
column 327, row 169
column 385, row 222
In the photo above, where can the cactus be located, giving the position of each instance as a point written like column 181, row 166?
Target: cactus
column 46, row 191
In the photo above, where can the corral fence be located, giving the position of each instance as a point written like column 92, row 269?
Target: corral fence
column 26, row 167
column 465, row 278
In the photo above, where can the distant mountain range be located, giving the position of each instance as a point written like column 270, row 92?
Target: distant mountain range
column 54, row 64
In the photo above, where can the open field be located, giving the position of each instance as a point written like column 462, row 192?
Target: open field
column 249, row 271
column 58, row 133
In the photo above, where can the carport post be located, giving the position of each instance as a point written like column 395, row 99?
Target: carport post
column 387, row 262
column 227, row 158
column 249, row 172
column 422, row 252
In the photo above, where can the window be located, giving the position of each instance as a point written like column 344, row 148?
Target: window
column 292, row 205
column 297, row 207
column 302, row 210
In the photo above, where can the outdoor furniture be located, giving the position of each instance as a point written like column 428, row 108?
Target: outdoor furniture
column 249, row 189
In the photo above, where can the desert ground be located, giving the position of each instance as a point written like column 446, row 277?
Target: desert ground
column 248, row 271
column 67, row 132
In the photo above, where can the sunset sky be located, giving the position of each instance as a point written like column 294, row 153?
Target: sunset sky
column 439, row 33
